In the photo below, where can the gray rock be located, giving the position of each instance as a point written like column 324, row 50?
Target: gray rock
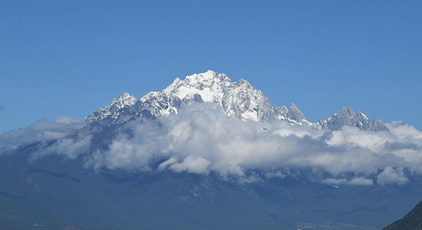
column 294, row 113
column 349, row 117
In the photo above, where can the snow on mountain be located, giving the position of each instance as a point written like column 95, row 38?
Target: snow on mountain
column 349, row 117
column 113, row 109
column 238, row 99
column 210, row 86
column 294, row 114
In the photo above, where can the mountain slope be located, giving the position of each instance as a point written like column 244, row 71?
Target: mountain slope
column 412, row 221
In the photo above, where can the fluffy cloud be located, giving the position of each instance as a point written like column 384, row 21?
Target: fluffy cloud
column 202, row 139
column 191, row 164
column 392, row 176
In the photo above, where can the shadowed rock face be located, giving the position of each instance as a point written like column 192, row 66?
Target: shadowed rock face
column 349, row 117
column 412, row 221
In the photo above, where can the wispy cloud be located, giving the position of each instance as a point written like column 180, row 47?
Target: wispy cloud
column 41, row 130
column 354, row 181
column 70, row 148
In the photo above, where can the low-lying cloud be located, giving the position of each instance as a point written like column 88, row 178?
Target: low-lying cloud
column 41, row 130
column 354, row 181
column 202, row 139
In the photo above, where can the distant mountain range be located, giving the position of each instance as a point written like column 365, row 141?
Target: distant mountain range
column 238, row 99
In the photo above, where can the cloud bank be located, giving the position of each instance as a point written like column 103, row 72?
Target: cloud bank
column 202, row 139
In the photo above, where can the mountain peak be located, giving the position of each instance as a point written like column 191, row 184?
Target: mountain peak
column 125, row 95
column 113, row 108
column 123, row 100
column 295, row 113
column 209, row 86
column 347, row 112
column 293, row 106
column 346, row 108
column 349, row 117
column 207, row 77
column 238, row 99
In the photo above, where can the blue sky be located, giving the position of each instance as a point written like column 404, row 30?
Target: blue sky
column 71, row 57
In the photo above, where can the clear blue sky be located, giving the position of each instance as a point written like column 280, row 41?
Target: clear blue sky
column 71, row 57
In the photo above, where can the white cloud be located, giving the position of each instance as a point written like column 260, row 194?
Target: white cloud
column 279, row 174
column 191, row 164
column 167, row 163
column 70, row 148
column 359, row 138
column 41, row 130
column 392, row 176
column 202, row 139
column 354, row 181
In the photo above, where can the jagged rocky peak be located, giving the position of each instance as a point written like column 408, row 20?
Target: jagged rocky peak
column 125, row 99
column 121, row 101
column 209, row 78
column 238, row 99
column 295, row 114
column 349, row 117
column 348, row 112
column 245, row 102
column 210, row 85
column 113, row 108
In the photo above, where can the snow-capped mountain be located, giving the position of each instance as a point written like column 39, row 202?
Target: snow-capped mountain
column 349, row 117
column 113, row 110
column 238, row 99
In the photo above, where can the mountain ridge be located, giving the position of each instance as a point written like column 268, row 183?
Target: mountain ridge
column 349, row 117
column 238, row 99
